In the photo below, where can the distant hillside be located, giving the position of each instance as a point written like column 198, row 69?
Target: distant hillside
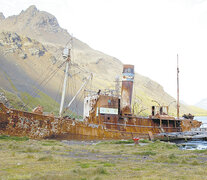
column 30, row 46
column 202, row 104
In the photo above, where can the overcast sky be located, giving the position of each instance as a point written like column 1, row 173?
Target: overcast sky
column 146, row 33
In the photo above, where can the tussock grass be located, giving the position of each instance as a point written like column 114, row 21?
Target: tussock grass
column 85, row 165
column 95, row 151
column 118, row 142
column 50, row 143
column 51, row 159
column 101, row 170
column 31, row 150
column 201, row 151
column 107, row 164
column 97, row 178
column 145, row 153
column 195, row 163
column 13, row 147
column 144, row 141
column 30, row 156
column 46, row 158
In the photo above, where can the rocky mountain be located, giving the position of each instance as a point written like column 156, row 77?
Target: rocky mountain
column 38, row 25
column 202, row 104
column 30, row 50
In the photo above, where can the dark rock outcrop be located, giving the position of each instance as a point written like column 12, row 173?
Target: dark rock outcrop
column 23, row 46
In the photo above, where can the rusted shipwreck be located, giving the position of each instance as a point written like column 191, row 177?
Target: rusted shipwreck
column 106, row 116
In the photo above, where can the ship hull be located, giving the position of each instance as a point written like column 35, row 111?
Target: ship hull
column 37, row 126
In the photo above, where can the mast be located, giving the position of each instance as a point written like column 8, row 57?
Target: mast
column 178, row 105
column 66, row 54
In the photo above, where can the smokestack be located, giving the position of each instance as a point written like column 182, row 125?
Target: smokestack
column 126, row 90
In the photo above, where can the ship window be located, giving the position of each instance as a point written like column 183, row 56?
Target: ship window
column 161, row 111
column 153, row 110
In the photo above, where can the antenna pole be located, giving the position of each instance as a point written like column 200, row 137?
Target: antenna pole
column 178, row 104
column 65, row 81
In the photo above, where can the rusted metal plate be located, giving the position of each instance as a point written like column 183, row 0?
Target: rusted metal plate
column 188, row 124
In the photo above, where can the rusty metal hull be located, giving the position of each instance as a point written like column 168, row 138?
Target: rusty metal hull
column 36, row 126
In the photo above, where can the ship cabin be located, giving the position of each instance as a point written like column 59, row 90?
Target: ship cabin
column 101, row 109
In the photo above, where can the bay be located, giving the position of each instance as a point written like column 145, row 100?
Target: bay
column 195, row 143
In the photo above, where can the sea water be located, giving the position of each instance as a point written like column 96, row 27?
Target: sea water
column 195, row 143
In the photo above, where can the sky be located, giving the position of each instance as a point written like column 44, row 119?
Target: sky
column 146, row 33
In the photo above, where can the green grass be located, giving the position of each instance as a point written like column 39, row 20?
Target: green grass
column 28, row 102
column 101, row 170
column 50, row 143
column 85, row 165
column 31, row 150
column 201, row 151
column 13, row 138
column 117, row 142
column 107, row 164
column 29, row 156
column 13, row 99
column 46, row 158
column 144, row 141
column 49, row 104
column 145, row 153
column 51, row 159
column 43, row 99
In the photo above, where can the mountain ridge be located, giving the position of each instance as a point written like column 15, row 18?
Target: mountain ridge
column 36, row 24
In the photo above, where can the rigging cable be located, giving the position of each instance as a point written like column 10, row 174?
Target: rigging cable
column 41, row 84
column 58, row 92
column 46, row 75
